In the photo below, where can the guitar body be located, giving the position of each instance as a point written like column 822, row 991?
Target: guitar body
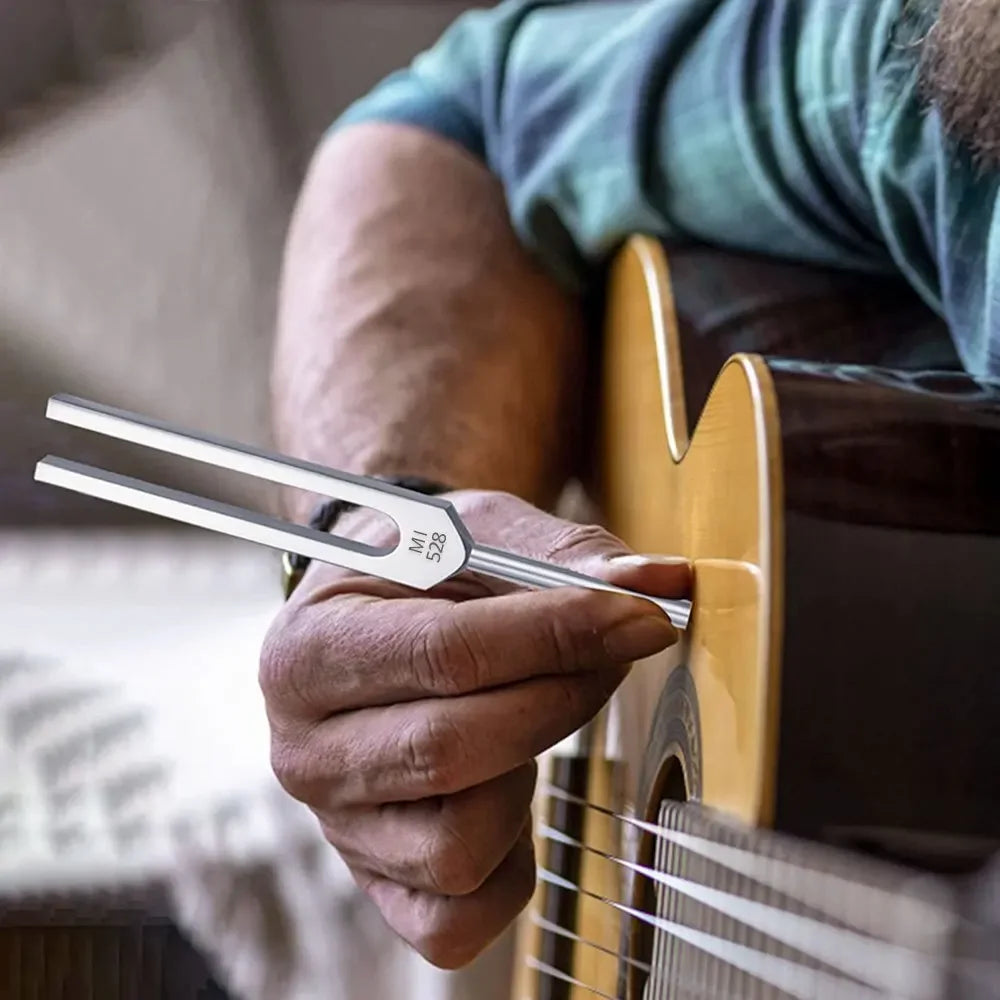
column 831, row 706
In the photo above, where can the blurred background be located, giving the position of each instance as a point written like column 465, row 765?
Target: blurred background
column 150, row 154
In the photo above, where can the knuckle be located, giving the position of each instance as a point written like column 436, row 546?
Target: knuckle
column 277, row 654
column 449, row 864
column 290, row 766
column 430, row 750
column 486, row 506
column 431, row 658
column 299, row 770
column 575, row 540
column 302, row 656
column 286, row 661
column 449, row 658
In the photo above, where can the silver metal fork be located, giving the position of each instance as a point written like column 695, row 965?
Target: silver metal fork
column 433, row 543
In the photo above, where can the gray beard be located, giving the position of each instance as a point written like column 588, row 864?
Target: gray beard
column 960, row 74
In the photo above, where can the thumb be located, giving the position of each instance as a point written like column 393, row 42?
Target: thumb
column 657, row 575
column 507, row 522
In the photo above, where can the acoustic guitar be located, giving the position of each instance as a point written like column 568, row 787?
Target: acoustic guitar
column 801, row 799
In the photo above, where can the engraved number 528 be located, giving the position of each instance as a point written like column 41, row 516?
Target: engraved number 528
column 436, row 546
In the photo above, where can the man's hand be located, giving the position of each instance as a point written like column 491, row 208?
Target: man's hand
column 408, row 722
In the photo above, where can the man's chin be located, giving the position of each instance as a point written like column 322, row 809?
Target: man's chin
column 960, row 72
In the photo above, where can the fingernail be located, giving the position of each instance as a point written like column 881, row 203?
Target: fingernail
column 643, row 560
column 639, row 637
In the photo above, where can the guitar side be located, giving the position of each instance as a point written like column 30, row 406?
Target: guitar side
column 715, row 498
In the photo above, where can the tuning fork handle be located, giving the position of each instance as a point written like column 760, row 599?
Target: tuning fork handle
column 534, row 573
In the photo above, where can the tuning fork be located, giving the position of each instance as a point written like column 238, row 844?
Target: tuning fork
column 433, row 543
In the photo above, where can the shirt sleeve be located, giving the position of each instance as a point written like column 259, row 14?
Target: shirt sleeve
column 790, row 127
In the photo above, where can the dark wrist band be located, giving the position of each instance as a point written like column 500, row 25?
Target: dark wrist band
column 325, row 516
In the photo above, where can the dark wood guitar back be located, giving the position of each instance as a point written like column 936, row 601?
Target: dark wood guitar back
column 892, row 557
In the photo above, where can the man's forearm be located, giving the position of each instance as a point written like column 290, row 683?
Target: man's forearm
column 416, row 336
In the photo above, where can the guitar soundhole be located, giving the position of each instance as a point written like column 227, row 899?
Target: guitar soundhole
column 673, row 787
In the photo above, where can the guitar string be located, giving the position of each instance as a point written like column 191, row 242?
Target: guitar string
column 781, row 973
column 684, row 886
column 785, row 876
column 553, row 928
column 550, row 970
column 892, row 968
column 685, row 986
column 689, row 989
column 943, row 917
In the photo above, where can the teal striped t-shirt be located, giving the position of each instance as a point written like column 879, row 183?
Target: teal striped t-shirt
column 796, row 128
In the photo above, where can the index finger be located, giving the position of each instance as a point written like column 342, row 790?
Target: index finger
column 356, row 651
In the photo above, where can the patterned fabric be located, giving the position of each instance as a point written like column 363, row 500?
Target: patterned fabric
column 788, row 127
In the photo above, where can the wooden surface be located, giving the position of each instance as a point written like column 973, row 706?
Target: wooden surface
column 596, row 922
column 714, row 503
column 664, row 494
